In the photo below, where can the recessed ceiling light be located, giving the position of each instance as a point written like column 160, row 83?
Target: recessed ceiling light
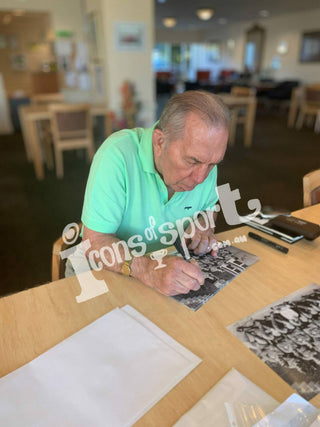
column 264, row 13
column 205, row 13
column 169, row 21
column 222, row 21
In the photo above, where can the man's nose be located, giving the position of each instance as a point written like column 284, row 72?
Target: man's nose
column 200, row 173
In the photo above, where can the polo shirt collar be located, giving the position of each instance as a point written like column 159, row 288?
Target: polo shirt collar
column 146, row 150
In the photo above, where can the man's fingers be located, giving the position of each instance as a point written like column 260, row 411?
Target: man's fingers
column 192, row 270
column 179, row 277
column 203, row 245
column 186, row 287
column 194, row 243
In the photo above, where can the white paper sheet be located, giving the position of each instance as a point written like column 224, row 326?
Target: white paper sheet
column 219, row 407
column 108, row 374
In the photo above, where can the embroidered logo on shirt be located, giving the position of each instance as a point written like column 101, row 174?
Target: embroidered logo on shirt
column 188, row 207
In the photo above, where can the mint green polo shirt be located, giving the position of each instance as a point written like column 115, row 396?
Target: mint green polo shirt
column 125, row 194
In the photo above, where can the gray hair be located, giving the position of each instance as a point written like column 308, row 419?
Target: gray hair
column 210, row 108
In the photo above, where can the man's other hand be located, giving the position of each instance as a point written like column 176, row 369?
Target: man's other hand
column 203, row 241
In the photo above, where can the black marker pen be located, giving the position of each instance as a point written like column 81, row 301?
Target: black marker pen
column 268, row 242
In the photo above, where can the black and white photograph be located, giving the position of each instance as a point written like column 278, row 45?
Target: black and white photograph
column 219, row 271
column 286, row 336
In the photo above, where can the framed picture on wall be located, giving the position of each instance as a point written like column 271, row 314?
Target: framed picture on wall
column 130, row 36
column 310, row 47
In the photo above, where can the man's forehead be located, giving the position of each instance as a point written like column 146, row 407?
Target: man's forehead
column 216, row 160
column 207, row 149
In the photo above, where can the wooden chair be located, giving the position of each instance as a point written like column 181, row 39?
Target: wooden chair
column 310, row 105
column 58, row 264
column 317, row 123
column 311, row 188
column 71, row 126
column 243, row 91
column 203, row 76
column 44, row 127
column 238, row 113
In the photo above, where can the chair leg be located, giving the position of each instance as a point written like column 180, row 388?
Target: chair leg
column 48, row 152
column 90, row 152
column 59, row 162
column 300, row 120
column 309, row 120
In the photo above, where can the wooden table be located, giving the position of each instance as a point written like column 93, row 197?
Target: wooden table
column 249, row 103
column 29, row 116
column 33, row 321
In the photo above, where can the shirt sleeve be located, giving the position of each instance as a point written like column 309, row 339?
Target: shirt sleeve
column 105, row 196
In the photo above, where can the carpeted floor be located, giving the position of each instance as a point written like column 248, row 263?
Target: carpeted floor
column 33, row 213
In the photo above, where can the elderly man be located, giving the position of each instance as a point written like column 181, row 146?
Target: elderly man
column 143, row 181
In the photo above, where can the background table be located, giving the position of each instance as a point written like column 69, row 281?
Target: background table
column 33, row 321
column 29, row 116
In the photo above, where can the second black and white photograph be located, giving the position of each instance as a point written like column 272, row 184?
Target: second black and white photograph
column 286, row 336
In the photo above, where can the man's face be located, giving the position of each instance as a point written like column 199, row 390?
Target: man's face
column 187, row 161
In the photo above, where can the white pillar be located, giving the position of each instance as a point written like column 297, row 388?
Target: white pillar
column 127, row 60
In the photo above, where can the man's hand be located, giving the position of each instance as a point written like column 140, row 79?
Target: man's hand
column 177, row 277
column 203, row 241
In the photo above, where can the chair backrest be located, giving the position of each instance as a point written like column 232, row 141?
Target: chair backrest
column 314, row 85
column 164, row 76
column 70, row 121
column 58, row 264
column 243, row 91
column 47, row 98
column 311, row 188
column 312, row 94
column 283, row 90
column 203, row 75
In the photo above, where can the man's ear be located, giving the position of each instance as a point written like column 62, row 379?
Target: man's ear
column 158, row 141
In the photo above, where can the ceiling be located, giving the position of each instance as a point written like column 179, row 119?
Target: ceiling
column 231, row 10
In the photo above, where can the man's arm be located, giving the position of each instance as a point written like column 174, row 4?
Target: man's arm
column 178, row 276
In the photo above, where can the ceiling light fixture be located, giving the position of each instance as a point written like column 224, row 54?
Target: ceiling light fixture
column 282, row 47
column 264, row 13
column 169, row 22
column 205, row 13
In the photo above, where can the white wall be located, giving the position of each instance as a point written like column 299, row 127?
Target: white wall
column 288, row 28
column 134, row 66
column 172, row 35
